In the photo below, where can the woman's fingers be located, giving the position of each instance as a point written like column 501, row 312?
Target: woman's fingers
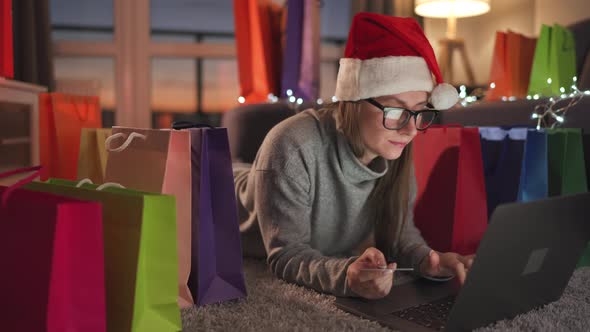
column 374, row 256
column 459, row 269
column 467, row 261
column 373, row 274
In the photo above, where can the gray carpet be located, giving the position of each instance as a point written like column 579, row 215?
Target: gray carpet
column 273, row 305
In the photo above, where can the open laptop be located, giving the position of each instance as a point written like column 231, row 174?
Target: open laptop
column 524, row 261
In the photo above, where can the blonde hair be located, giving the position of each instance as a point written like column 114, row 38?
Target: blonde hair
column 389, row 200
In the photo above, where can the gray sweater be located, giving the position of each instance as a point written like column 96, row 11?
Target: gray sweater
column 308, row 193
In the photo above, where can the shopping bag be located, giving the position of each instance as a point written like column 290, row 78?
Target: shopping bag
column 554, row 63
column 157, row 161
column 567, row 169
column 500, row 82
column 257, row 51
column 92, row 160
column 533, row 183
column 450, row 208
column 562, row 67
column 520, row 54
column 216, row 245
column 6, row 40
column 293, row 47
column 141, row 263
column 511, row 65
column 502, row 153
column 52, row 254
column 61, row 119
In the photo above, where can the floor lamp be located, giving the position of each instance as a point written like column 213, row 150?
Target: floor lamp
column 451, row 10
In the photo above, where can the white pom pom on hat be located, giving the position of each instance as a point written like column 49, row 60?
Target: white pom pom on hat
column 444, row 96
column 388, row 55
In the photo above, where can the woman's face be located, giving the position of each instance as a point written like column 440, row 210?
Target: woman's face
column 379, row 141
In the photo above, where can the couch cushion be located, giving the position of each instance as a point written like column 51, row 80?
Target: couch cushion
column 248, row 125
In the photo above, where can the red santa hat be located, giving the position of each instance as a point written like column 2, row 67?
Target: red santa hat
column 388, row 55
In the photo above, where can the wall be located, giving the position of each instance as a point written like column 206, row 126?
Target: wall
column 561, row 12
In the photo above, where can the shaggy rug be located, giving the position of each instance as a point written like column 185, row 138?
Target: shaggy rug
column 273, row 305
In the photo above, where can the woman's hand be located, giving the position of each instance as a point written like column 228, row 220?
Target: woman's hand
column 370, row 284
column 444, row 264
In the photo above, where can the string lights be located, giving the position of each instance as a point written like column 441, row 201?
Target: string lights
column 552, row 113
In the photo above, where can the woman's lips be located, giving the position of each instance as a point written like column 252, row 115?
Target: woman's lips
column 398, row 144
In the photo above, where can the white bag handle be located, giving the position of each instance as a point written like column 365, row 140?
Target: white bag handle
column 127, row 142
column 102, row 186
column 83, row 182
column 109, row 185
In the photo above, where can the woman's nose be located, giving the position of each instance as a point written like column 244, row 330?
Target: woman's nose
column 410, row 128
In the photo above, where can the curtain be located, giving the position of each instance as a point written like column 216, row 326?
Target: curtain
column 33, row 57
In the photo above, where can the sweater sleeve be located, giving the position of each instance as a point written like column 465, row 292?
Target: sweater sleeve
column 282, row 201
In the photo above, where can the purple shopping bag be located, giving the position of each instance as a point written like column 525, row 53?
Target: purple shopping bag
column 216, row 245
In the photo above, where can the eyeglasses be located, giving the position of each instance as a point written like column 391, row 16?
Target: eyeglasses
column 395, row 118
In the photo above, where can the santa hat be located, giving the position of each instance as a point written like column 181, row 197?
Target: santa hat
column 388, row 55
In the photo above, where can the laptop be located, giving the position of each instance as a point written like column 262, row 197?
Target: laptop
column 524, row 261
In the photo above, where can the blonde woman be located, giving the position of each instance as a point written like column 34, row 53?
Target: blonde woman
column 331, row 192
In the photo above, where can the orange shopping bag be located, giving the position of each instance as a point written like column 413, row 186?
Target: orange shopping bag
column 511, row 65
column 257, row 43
column 499, row 82
column 520, row 51
column 61, row 119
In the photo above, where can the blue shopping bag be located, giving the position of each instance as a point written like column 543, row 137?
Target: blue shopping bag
column 502, row 154
column 534, row 182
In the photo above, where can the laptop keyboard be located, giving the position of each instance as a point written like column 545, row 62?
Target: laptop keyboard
column 432, row 315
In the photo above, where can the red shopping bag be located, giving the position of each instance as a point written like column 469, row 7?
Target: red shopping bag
column 52, row 256
column 6, row 44
column 450, row 208
column 61, row 119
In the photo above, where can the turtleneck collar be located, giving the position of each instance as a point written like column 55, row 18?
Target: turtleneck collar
column 352, row 167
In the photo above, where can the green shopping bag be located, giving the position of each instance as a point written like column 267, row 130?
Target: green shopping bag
column 567, row 169
column 141, row 264
column 554, row 63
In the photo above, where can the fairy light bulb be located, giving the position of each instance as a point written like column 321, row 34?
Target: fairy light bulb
column 292, row 99
column 241, row 99
column 492, row 85
column 334, row 99
column 549, row 80
column 320, row 101
column 299, row 101
column 289, row 92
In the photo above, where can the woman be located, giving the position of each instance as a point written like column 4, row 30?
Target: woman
column 332, row 191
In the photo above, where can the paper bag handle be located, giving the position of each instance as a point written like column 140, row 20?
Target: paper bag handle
column 22, row 182
column 102, row 186
column 187, row 124
column 123, row 146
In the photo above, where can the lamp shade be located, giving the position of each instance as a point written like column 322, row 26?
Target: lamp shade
column 451, row 8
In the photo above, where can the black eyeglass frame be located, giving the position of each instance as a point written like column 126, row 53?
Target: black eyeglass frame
column 413, row 114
